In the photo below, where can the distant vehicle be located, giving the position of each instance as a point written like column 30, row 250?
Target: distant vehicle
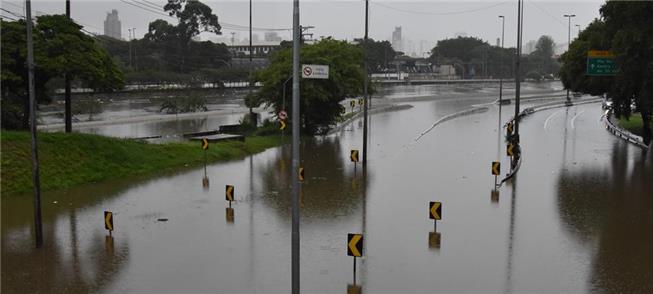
column 577, row 94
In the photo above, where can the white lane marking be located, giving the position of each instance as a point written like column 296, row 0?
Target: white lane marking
column 573, row 119
column 546, row 122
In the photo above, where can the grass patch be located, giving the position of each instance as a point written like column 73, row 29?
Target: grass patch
column 632, row 124
column 73, row 159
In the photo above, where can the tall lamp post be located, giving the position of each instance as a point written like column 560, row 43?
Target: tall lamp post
column 569, row 16
column 503, row 26
column 578, row 27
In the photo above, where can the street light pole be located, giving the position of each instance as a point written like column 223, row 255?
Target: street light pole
column 295, row 151
column 365, row 94
column 569, row 16
column 503, row 25
column 520, row 18
column 38, row 227
column 578, row 27
column 67, row 107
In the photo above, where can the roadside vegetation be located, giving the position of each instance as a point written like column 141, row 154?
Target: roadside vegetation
column 626, row 30
column 72, row 159
column 633, row 124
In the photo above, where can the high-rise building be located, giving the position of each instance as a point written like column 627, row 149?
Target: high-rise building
column 397, row 42
column 272, row 37
column 112, row 25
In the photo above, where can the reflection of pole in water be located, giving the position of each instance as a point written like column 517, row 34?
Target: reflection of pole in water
column 511, row 236
column 564, row 145
column 252, row 251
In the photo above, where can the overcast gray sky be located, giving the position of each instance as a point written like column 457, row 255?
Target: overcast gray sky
column 427, row 21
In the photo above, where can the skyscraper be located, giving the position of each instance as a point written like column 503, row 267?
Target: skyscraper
column 112, row 25
column 397, row 42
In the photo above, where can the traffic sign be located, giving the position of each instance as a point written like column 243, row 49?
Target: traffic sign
column 360, row 101
column 601, row 63
column 510, row 150
column 282, row 125
column 355, row 245
column 509, row 128
column 354, row 155
column 352, row 103
column 315, row 71
column 496, row 168
column 205, row 143
column 108, row 220
column 283, row 115
column 301, row 174
column 435, row 210
column 229, row 193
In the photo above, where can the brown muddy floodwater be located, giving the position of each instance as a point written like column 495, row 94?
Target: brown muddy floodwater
column 578, row 217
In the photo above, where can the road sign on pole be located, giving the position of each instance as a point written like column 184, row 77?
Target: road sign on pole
column 353, row 155
column 355, row 245
column 510, row 150
column 301, row 174
column 283, row 115
column 108, row 221
column 205, row 143
column 496, row 168
column 315, row 71
column 282, row 125
column 229, row 193
column 601, row 63
column 435, row 210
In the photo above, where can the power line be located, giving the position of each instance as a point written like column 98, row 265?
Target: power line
column 438, row 13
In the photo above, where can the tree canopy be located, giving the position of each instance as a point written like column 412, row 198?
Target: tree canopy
column 320, row 98
column 626, row 29
column 60, row 47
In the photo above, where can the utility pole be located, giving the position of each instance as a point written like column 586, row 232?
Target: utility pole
column 365, row 94
column 38, row 226
column 251, row 112
column 68, row 119
column 130, row 47
column 578, row 27
column 520, row 24
column 503, row 26
column 569, row 16
column 295, row 150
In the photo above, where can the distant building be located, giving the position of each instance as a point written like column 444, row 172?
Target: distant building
column 272, row 37
column 112, row 26
column 260, row 49
column 397, row 41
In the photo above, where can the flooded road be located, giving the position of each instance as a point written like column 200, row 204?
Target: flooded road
column 577, row 218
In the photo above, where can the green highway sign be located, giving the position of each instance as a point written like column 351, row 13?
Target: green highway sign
column 600, row 63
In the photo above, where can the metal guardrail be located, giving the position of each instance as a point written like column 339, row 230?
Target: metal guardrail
column 623, row 134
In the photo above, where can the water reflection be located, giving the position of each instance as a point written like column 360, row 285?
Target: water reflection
column 610, row 208
column 331, row 189
column 85, row 262
column 229, row 215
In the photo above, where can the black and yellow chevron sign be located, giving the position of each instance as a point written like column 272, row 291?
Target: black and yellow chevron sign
column 361, row 101
column 352, row 103
column 354, row 155
column 510, row 151
column 355, row 245
column 509, row 128
column 301, row 174
column 282, row 125
column 108, row 220
column 496, row 168
column 435, row 210
column 229, row 193
column 205, row 143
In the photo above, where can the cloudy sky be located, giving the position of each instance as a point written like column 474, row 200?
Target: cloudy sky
column 422, row 22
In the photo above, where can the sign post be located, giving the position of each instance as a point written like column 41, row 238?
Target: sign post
column 108, row 221
column 353, row 156
column 435, row 213
column 229, row 194
column 315, row 71
column 601, row 63
column 496, row 170
column 355, row 248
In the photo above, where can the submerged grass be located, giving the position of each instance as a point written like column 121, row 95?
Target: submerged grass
column 632, row 124
column 68, row 160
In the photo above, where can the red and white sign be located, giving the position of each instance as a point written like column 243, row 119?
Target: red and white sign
column 315, row 71
column 283, row 115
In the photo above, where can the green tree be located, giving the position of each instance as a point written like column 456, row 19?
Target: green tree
column 541, row 60
column 320, row 98
column 379, row 54
column 627, row 30
column 59, row 47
